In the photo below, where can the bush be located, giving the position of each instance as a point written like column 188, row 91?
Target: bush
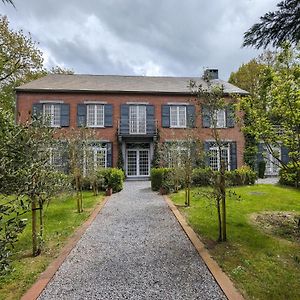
column 290, row 175
column 111, row 178
column 242, row 176
column 261, row 169
column 202, row 176
column 160, row 178
column 86, row 183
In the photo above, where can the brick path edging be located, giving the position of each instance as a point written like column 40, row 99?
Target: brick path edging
column 36, row 289
column 221, row 278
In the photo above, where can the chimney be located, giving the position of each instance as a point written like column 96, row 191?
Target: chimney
column 211, row 74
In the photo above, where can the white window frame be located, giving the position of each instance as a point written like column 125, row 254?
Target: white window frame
column 214, row 148
column 175, row 116
column 53, row 115
column 52, row 153
column 175, row 155
column 219, row 119
column 97, row 114
column 141, row 125
column 95, row 150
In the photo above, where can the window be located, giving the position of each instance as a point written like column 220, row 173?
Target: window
column 51, row 114
column 176, row 156
column 55, row 158
column 94, row 158
column 219, row 119
column 95, row 115
column 214, row 157
column 178, row 116
column 137, row 119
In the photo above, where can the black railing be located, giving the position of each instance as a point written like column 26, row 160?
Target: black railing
column 127, row 127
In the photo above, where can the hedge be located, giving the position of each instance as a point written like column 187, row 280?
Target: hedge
column 290, row 175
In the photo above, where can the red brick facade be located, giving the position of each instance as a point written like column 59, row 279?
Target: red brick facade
column 25, row 101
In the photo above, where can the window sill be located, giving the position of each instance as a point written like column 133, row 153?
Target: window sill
column 95, row 126
column 178, row 127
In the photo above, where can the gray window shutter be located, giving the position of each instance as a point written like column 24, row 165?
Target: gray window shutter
column 109, row 155
column 285, row 155
column 65, row 115
column 233, row 156
column 37, row 110
column 191, row 116
column 81, row 115
column 206, row 153
column 230, row 116
column 150, row 119
column 108, row 115
column 65, row 157
column 124, row 119
column 205, row 117
column 165, row 116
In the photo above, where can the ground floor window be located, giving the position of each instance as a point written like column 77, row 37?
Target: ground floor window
column 215, row 157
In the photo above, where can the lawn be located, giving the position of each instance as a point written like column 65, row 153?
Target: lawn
column 262, row 265
column 61, row 220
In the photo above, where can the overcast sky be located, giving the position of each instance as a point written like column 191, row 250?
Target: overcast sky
column 140, row 37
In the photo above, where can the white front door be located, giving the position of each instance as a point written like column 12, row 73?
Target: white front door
column 137, row 162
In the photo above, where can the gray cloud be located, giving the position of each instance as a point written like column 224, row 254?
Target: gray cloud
column 168, row 37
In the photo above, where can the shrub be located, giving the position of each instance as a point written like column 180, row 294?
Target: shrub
column 202, row 176
column 242, row 176
column 290, row 175
column 160, row 178
column 111, row 178
column 261, row 169
column 86, row 183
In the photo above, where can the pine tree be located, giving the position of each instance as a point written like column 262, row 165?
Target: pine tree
column 276, row 27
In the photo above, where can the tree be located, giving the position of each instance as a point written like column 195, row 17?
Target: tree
column 9, row 1
column 213, row 99
column 276, row 27
column 273, row 110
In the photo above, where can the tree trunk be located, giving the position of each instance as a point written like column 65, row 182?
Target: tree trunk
column 223, row 200
column 219, row 220
column 41, row 208
column 35, row 249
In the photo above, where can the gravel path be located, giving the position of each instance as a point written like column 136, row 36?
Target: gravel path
column 134, row 249
column 268, row 180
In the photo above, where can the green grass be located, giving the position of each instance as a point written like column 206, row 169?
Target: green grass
column 261, row 265
column 61, row 220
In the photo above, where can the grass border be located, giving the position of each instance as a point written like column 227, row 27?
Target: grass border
column 221, row 278
column 36, row 289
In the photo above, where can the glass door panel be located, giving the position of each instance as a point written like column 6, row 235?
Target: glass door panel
column 132, row 162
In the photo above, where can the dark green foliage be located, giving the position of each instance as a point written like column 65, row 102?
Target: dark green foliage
column 120, row 163
column 276, row 27
column 261, row 169
column 290, row 175
column 202, row 176
column 112, row 178
column 159, row 178
column 242, row 176
column 11, row 225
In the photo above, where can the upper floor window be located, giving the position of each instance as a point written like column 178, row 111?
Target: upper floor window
column 178, row 116
column 95, row 115
column 219, row 119
column 137, row 119
column 51, row 114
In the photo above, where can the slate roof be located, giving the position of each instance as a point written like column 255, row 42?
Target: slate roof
column 119, row 84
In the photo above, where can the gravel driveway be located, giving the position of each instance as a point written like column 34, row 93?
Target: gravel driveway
column 135, row 249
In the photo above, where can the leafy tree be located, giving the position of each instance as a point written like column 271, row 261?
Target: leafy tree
column 77, row 143
column 276, row 27
column 212, row 96
column 273, row 111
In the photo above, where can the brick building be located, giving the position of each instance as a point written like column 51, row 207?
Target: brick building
column 128, row 112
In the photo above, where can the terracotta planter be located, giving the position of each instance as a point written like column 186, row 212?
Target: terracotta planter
column 109, row 192
column 162, row 191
